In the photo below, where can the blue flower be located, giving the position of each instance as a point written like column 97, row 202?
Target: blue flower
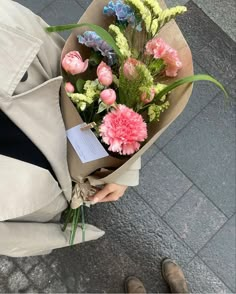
column 123, row 12
column 92, row 40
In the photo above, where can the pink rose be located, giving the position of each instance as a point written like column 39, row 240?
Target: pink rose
column 69, row 87
column 159, row 49
column 73, row 63
column 104, row 74
column 145, row 98
column 129, row 68
column 108, row 96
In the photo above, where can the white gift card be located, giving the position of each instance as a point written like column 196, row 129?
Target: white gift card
column 86, row 144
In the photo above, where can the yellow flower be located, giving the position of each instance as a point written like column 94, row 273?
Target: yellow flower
column 158, row 88
column 154, row 6
column 121, row 41
column 143, row 11
column 154, row 111
column 167, row 14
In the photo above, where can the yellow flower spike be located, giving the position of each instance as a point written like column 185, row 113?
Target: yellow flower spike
column 143, row 11
column 154, row 27
column 154, row 6
column 121, row 41
column 168, row 14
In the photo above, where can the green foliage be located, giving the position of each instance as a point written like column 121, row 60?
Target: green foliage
column 156, row 66
column 99, row 30
column 154, row 111
column 80, row 85
column 131, row 90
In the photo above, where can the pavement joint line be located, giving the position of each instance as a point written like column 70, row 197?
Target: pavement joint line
column 81, row 6
column 46, row 6
column 151, row 157
column 207, row 265
column 199, row 112
column 156, row 214
column 48, row 265
column 197, row 186
column 222, row 226
column 177, row 200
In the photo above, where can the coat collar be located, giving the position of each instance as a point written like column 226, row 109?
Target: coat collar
column 17, row 51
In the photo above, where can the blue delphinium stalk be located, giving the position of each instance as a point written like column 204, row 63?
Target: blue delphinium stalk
column 123, row 12
column 92, row 40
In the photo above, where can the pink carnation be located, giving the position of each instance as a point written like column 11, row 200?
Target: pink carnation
column 123, row 129
column 159, row 49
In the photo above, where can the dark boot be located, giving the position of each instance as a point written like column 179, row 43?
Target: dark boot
column 174, row 277
column 134, row 285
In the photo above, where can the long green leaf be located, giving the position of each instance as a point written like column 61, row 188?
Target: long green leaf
column 190, row 79
column 99, row 30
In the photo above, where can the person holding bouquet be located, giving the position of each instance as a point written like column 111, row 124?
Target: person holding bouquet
column 35, row 184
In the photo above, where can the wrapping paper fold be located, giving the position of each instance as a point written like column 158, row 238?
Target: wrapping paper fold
column 178, row 97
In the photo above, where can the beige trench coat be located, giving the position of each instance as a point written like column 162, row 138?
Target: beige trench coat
column 31, row 200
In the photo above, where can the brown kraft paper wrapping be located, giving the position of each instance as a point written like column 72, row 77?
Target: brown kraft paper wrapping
column 178, row 97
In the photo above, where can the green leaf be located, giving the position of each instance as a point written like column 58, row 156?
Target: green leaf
column 99, row 30
column 80, row 85
column 190, row 79
column 102, row 107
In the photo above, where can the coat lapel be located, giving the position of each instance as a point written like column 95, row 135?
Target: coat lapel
column 37, row 114
column 37, row 111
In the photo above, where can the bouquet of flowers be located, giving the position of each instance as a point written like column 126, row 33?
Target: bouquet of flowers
column 120, row 79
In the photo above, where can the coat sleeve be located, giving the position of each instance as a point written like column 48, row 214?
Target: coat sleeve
column 131, row 176
column 19, row 239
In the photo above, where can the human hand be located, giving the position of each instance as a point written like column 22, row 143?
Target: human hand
column 110, row 192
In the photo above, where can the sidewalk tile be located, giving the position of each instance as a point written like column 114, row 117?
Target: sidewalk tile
column 205, row 151
column 220, row 253
column 62, row 12
column 221, row 12
column 6, row 266
column 35, row 6
column 17, row 282
column 161, row 183
column 195, row 219
column 202, row 280
column 203, row 93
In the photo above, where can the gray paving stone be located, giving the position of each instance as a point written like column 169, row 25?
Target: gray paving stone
column 205, row 151
column 195, row 219
column 62, row 12
column 149, row 154
column 218, row 57
column 17, row 282
column 6, row 265
column 56, row 286
column 173, row 3
column 221, row 12
column 84, row 3
column 220, row 253
column 26, row 263
column 211, row 47
column 101, row 267
column 203, row 93
column 202, row 280
column 161, row 183
column 146, row 239
column 35, row 6
column 41, row 275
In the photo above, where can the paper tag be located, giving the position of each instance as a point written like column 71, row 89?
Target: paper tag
column 86, row 144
